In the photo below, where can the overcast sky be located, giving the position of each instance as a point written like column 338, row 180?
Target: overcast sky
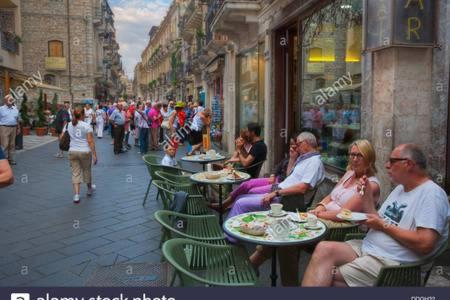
column 133, row 20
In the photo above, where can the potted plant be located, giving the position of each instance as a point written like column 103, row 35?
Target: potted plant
column 24, row 116
column 41, row 124
column 54, row 110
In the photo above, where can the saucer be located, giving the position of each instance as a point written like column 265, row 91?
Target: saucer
column 282, row 214
column 317, row 227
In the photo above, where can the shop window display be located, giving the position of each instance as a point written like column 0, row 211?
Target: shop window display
column 331, row 78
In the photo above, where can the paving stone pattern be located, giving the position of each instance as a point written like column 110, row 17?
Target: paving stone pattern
column 46, row 240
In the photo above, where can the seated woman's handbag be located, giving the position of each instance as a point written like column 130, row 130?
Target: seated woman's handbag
column 64, row 143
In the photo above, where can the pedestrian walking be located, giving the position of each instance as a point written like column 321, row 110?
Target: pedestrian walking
column 142, row 123
column 100, row 118
column 89, row 116
column 164, row 129
column 9, row 128
column 6, row 174
column 111, row 109
column 117, row 120
column 82, row 153
column 156, row 119
column 61, row 119
column 128, row 120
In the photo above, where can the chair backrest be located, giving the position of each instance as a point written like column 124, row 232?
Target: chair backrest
column 153, row 163
column 152, row 159
column 173, row 178
column 174, row 252
column 171, row 170
column 300, row 201
column 254, row 169
column 165, row 191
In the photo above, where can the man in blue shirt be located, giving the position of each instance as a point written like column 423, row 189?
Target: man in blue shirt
column 117, row 120
column 9, row 128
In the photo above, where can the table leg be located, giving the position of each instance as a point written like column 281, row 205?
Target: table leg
column 273, row 275
column 220, row 206
column 204, row 167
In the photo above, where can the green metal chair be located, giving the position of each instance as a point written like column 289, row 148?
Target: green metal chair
column 174, row 178
column 203, row 228
column 152, row 162
column 180, row 182
column 405, row 274
column 196, row 204
column 225, row 265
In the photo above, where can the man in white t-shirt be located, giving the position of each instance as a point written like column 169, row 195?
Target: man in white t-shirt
column 410, row 226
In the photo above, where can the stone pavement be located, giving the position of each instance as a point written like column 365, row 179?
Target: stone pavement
column 46, row 240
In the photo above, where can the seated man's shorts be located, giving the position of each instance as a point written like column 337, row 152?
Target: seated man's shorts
column 364, row 270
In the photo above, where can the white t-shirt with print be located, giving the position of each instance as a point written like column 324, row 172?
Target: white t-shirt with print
column 426, row 206
column 310, row 171
column 78, row 136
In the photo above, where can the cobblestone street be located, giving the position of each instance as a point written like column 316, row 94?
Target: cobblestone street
column 47, row 240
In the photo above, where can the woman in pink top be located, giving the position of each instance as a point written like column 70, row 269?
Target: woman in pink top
column 345, row 195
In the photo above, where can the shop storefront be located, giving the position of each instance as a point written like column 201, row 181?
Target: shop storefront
column 318, row 79
column 390, row 89
column 250, row 92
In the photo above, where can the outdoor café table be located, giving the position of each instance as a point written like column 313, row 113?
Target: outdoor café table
column 203, row 159
column 224, row 179
column 298, row 234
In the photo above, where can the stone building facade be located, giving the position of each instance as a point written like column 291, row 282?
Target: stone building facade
column 72, row 45
column 11, row 57
column 270, row 61
column 160, row 60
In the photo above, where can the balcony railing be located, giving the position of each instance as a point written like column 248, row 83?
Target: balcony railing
column 213, row 9
column 10, row 42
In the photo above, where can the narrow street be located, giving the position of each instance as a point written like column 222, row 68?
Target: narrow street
column 47, row 240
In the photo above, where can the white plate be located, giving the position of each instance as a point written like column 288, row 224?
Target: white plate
column 356, row 217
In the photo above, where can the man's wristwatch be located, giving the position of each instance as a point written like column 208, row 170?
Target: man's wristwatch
column 277, row 193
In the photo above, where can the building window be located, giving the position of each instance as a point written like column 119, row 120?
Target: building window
column 251, row 87
column 55, row 49
column 330, row 84
column 50, row 79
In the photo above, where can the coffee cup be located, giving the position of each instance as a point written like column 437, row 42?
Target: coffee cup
column 276, row 209
column 311, row 220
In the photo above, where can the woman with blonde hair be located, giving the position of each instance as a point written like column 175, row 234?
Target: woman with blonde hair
column 345, row 195
column 361, row 163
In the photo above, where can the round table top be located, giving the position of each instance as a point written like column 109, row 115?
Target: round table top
column 224, row 177
column 202, row 158
column 298, row 234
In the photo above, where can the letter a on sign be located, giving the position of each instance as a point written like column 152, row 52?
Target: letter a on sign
column 420, row 2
